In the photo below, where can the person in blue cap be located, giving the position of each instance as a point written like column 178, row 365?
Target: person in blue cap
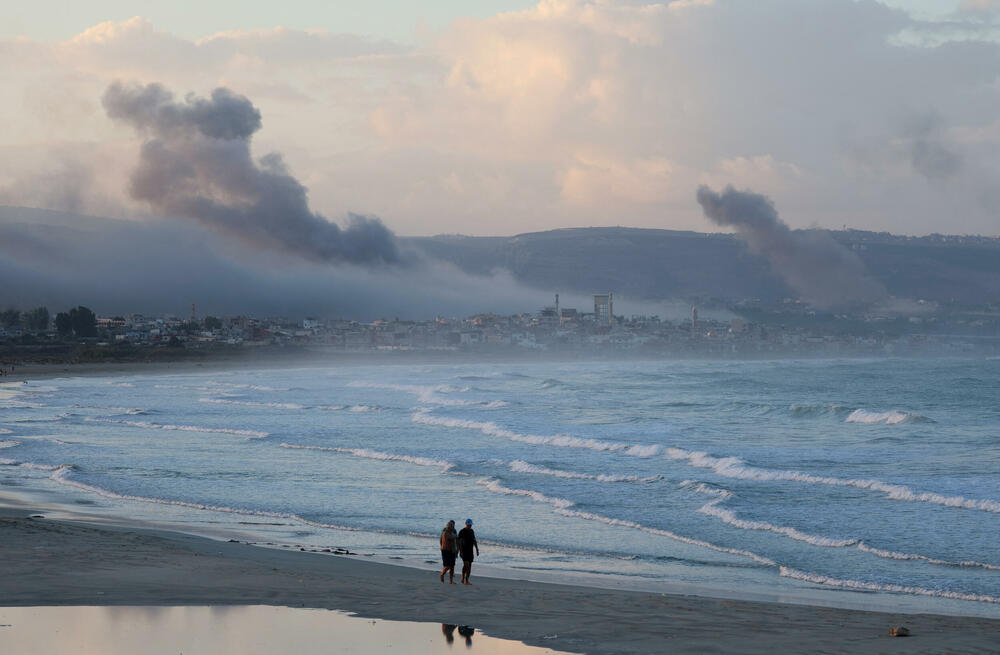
column 466, row 542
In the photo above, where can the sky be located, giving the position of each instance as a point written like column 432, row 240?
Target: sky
column 501, row 117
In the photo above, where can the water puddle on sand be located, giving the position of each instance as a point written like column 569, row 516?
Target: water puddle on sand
column 247, row 630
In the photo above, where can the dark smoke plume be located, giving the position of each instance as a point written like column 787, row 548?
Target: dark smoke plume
column 196, row 163
column 820, row 270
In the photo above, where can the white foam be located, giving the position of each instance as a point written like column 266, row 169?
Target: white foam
column 376, row 454
column 490, row 428
column 62, row 476
column 734, row 467
column 562, row 506
column 425, row 393
column 787, row 572
column 8, row 443
column 6, row 431
column 520, row 466
column 891, row 554
column 728, row 516
column 495, row 404
column 252, row 434
column 362, row 408
column 251, row 403
column 120, row 384
column 893, row 417
column 252, row 387
column 32, row 465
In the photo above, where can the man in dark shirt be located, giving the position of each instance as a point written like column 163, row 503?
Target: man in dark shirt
column 466, row 542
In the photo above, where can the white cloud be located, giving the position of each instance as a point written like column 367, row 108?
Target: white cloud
column 578, row 112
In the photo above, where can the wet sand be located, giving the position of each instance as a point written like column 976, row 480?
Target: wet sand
column 48, row 562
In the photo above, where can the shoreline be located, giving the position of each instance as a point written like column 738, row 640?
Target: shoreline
column 69, row 562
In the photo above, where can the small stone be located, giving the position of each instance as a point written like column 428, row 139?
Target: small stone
column 899, row 631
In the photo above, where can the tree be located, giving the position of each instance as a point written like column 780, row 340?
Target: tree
column 10, row 317
column 36, row 320
column 64, row 324
column 212, row 323
column 84, row 321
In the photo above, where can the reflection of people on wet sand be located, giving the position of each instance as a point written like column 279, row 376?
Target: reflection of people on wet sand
column 467, row 632
column 466, row 542
column 449, row 549
column 449, row 631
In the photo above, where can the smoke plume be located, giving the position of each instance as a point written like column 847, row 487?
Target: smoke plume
column 820, row 270
column 196, row 163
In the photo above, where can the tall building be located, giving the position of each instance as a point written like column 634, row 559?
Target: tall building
column 603, row 308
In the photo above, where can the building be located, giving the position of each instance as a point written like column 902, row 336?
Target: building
column 603, row 309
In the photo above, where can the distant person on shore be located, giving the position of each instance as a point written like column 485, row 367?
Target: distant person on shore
column 466, row 542
column 449, row 550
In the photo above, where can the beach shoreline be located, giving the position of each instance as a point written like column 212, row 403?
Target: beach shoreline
column 68, row 562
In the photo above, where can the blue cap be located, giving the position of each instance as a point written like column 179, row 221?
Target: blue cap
column 468, row 521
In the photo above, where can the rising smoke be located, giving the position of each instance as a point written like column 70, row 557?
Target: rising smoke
column 820, row 270
column 196, row 163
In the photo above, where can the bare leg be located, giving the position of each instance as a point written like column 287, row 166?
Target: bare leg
column 466, row 570
column 451, row 574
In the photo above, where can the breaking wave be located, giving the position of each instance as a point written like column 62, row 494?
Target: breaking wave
column 892, row 417
column 564, row 440
column 252, row 434
column 376, row 454
column 8, row 443
column 728, row 516
column 734, row 467
column 562, row 506
column 430, row 395
column 711, row 508
column 520, row 466
column 787, row 572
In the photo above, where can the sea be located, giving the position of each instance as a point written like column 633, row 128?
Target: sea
column 871, row 483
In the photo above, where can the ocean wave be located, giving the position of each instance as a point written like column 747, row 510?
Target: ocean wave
column 563, row 440
column 6, row 431
column 251, row 403
column 890, row 554
column 35, row 466
column 520, row 466
column 251, row 387
column 134, row 411
column 807, row 411
column 62, row 476
column 562, row 506
column 892, row 417
column 119, row 384
column 8, row 443
column 734, row 467
column 787, row 572
column 252, row 434
column 376, row 454
column 425, row 393
column 712, row 508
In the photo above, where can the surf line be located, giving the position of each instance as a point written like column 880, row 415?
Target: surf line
column 730, row 467
column 711, row 508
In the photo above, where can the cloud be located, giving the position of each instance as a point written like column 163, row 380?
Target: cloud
column 578, row 109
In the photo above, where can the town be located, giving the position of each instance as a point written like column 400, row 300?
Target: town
column 749, row 330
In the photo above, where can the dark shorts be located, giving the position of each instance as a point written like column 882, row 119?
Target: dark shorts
column 467, row 557
column 448, row 557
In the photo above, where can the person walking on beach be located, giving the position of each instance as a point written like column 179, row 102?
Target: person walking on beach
column 466, row 542
column 449, row 549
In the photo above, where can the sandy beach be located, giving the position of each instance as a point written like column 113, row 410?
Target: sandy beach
column 48, row 562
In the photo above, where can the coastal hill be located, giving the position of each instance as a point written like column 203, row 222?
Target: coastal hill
column 63, row 259
column 669, row 264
